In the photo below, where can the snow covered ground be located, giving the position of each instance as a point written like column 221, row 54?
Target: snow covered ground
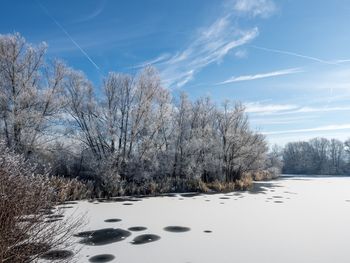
column 292, row 220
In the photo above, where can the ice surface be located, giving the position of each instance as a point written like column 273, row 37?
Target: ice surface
column 285, row 221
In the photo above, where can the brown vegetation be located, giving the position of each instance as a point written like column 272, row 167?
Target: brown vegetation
column 29, row 224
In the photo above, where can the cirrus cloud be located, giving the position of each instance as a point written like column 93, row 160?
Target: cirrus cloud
column 261, row 75
column 254, row 8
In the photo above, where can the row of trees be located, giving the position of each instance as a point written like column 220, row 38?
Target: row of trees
column 317, row 156
column 129, row 129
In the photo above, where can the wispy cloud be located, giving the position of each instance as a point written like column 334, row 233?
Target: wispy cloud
column 323, row 61
column 321, row 109
column 258, row 108
column 315, row 129
column 155, row 61
column 280, row 120
column 339, row 61
column 261, row 75
column 262, row 8
column 308, row 109
column 241, row 53
column 95, row 13
column 211, row 46
column 212, row 43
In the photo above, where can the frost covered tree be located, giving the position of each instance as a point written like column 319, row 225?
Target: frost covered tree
column 205, row 142
column 274, row 161
column 84, row 113
column 181, row 137
column 336, row 155
column 241, row 148
column 130, row 129
column 317, row 156
column 29, row 95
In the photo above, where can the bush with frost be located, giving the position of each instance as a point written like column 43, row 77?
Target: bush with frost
column 28, row 219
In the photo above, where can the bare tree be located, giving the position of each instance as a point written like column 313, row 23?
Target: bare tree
column 242, row 149
column 29, row 95
column 318, row 156
column 336, row 152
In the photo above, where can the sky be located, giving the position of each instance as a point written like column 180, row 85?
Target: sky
column 287, row 61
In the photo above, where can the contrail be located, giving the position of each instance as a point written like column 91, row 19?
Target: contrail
column 68, row 35
column 295, row 55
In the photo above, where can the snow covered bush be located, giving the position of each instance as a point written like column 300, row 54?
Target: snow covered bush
column 27, row 225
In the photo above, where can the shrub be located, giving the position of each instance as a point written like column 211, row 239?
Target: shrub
column 27, row 230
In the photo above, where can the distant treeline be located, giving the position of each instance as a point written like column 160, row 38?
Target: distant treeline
column 130, row 130
column 318, row 156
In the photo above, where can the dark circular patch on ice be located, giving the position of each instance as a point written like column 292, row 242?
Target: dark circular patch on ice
column 55, row 216
column 137, row 228
column 177, row 229
column 53, row 220
column 65, row 207
column 278, row 202
column 190, row 194
column 168, row 195
column 57, row 254
column 277, row 196
column 103, row 236
column 207, row 231
column 128, row 204
column 30, row 219
column 47, row 211
column 118, row 199
column 102, row 258
column 224, row 197
column 144, row 239
column 113, row 220
column 69, row 203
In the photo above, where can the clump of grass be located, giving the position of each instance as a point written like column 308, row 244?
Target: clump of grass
column 160, row 186
column 262, row 175
column 67, row 189
column 245, row 183
column 73, row 189
column 218, row 186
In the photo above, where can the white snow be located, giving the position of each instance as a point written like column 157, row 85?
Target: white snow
column 312, row 225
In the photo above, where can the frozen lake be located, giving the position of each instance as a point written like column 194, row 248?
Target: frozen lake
column 289, row 220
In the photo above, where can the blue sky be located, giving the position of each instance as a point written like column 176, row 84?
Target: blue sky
column 288, row 61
